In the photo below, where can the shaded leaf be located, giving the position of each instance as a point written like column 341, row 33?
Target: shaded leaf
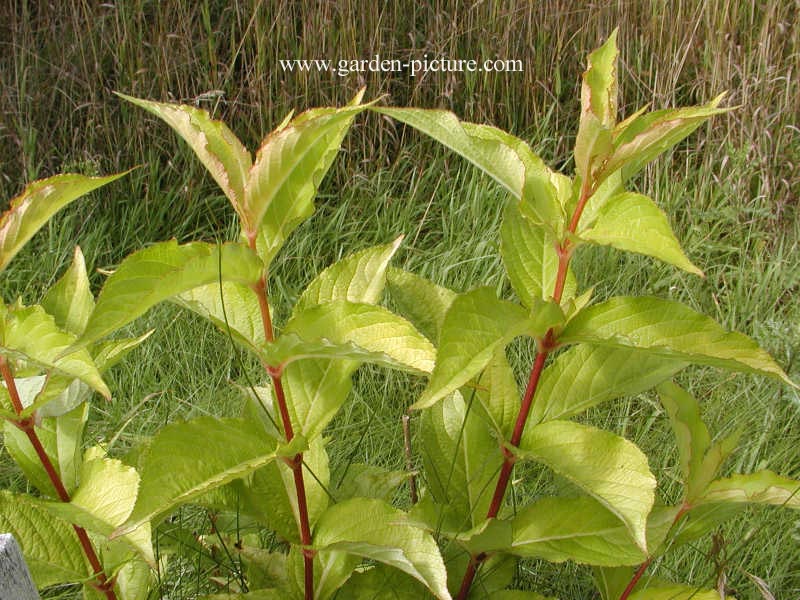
column 676, row 592
column 461, row 460
column 61, row 439
column 50, row 546
column 421, row 301
column 530, row 258
column 691, row 435
column 369, row 481
column 581, row 530
column 187, row 459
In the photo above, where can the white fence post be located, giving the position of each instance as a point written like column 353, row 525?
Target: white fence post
column 15, row 579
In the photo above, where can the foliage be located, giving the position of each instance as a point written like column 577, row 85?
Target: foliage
column 93, row 518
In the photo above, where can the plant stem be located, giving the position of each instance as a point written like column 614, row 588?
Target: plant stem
column 412, row 480
column 296, row 462
column 686, row 507
column 27, row 425
column 546, row 345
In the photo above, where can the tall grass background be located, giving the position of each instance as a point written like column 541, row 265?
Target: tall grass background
column 731, row 192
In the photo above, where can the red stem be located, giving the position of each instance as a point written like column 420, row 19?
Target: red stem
column 26, row 424
column 296, row 463
column 643, row 567
column 546, row 345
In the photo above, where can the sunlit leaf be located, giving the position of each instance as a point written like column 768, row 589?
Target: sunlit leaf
column 39, row 201
column 162, row 271
column 29, row 333
column 373, row 529
column 669, row 329
column 288, row 169
column 608, row 467
column 634, row 223
column 70, row 300
column 217, row 147
column 50, row 546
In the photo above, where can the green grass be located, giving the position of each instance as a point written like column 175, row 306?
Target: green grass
column 731, row 192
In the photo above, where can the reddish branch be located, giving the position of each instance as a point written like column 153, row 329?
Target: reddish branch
column 26, row 424
column 296, row 462
column 545, row 346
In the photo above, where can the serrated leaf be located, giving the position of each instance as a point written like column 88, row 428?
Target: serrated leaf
column 162, row 271
column 53, row 396
column 421, row 301
column 70, row 300
column 39, row 201
column 650, row 134
column 608, row 467
column 530, row 258
column 762, row 487
column 669, row 329
column 634, row 223
column 287, row 171
column 29, row 333
column 676, row 592
column 373, row 529
column 598, row 109
column 188, row 459
column 585, row 376
column 476, row 326
column 359, row 277
column 217, row 147
column 368, row 327
column 461, row 460
column 691, row 435
column 50, row 546
column 104, row 501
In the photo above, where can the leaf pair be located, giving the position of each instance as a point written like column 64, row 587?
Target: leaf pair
column 273, row 193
